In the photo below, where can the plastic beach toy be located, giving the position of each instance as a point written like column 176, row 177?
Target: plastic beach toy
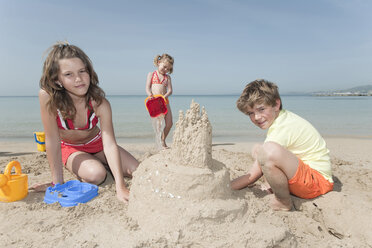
column 157, row 105
column 13, row 187
column 40, row 140
column 70, row 193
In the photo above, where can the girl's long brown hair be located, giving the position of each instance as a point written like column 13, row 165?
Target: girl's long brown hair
column 59, row 99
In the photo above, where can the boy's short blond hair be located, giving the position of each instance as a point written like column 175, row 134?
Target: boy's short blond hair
column 257, row 92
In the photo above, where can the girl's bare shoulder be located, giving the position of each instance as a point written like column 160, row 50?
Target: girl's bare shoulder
column 43, row 94
column 150, row 74
column 104, row 106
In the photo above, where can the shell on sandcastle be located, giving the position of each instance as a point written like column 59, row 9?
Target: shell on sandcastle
column 183, row 185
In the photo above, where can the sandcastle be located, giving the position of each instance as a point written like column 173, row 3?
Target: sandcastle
column 183, row 186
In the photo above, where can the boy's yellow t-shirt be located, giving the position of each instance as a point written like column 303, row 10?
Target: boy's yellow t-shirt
column 301, row 138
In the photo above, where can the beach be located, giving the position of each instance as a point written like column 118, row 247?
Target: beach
column 340, row 218
column 234, row 74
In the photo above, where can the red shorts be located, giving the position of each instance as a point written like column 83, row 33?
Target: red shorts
column 93, row 146
column 308, row 183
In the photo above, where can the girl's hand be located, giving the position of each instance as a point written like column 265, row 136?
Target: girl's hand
column 122, row 193
column 40, row 187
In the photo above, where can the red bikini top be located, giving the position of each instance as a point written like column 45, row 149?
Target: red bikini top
column 68, row 124
column 155, row 79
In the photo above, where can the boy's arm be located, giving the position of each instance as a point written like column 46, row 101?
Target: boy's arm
column 252, row 176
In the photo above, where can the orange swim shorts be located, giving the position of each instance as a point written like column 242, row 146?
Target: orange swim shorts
column 308, row 183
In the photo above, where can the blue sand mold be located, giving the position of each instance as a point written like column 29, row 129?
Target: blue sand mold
column 71, row 193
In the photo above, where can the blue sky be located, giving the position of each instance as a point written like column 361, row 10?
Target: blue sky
column 218, row 46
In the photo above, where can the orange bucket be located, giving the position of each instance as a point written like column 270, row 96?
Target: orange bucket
column 13, row 187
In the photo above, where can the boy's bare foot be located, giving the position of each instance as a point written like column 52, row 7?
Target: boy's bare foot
column 266, row 187
column 281, row 204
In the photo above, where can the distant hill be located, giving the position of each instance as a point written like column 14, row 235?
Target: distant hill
column 362, row 89
column 365, row 90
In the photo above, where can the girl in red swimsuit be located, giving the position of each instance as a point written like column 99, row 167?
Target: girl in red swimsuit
column 71, row 105
column 159, row 83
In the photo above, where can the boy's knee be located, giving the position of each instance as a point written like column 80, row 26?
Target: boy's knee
column 255, row 149
column 271, row 151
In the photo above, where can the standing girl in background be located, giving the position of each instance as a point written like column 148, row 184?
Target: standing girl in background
column 71, row 104
column 160, row 83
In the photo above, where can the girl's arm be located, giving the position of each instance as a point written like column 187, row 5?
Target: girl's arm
column 148, row 84
column 111, row 150
column 169, row 87
column 52, row 139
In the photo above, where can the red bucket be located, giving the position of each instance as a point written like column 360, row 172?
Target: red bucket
column 156, row 105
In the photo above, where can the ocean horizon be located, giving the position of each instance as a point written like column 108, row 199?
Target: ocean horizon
column 343, row 116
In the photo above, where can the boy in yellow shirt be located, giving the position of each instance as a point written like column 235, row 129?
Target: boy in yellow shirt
column 294, row 157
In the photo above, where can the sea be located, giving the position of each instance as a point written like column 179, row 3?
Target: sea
column 333, row 116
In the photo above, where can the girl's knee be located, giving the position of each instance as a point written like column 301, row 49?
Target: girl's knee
column 130, row 166
column 95, row 176
column 129, row 162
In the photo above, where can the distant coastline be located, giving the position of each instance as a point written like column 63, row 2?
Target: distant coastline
column 365, row 90
column 343, row 94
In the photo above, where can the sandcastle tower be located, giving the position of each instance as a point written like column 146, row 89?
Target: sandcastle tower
column 192, row 138
column 183, row 186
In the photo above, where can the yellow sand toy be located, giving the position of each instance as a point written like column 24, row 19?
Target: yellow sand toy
column 13, row 187
column 40, row 140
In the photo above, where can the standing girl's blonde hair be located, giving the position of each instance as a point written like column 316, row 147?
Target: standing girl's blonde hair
column 164, row 57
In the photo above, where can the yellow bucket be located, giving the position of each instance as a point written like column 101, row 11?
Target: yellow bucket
column 13, row 187
column 40, row 140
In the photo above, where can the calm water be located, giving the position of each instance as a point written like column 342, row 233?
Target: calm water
column 332, row 116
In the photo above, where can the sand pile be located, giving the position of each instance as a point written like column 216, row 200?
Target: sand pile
column 183, row 186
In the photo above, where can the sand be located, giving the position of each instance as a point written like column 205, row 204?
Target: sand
column 206, row 214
